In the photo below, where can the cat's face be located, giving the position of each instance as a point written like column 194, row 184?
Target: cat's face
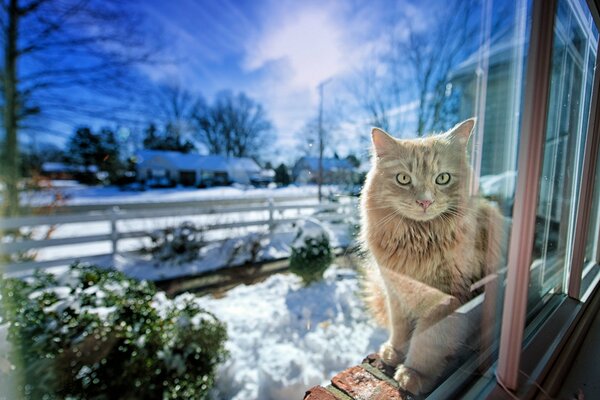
column 421, row 179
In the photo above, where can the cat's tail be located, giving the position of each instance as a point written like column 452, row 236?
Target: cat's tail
column 374, row 295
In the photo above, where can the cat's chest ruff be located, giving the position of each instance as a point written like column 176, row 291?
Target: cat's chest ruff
column 406, row 247
column 417, row 238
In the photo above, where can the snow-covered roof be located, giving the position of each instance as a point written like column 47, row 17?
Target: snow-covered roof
column 62, row 167
column 194, row 161
column 174, row 158
column 245, row 163
column 212, row 163
column 329, row 164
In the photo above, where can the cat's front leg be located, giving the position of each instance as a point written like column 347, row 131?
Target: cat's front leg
column 393, row 352
column 435, row 338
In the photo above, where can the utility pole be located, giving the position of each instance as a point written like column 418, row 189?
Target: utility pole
column 321, row 144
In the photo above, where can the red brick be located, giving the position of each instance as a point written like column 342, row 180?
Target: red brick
column 362, row 385
column 319, row 393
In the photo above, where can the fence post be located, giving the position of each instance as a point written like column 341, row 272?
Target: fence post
column 114, row 233
column 271, row 215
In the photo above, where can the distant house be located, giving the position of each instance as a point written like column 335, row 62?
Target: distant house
column 335, row 170
column 168, row 168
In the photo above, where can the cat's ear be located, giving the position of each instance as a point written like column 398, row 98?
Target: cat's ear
column 462, row 131
column 383, row 143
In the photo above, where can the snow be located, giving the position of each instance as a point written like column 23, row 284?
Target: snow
column 192, row 161
column 90, row 195
column 248, row 248
column 285, row 338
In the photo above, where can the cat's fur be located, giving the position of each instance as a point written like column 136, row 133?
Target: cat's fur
column 423, row 260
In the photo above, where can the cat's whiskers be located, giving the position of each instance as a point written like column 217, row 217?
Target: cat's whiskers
column 388, row 218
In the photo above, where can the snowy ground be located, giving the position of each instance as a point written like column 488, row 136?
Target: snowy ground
column 285, row 338
column 76, row 194
column 231, row 252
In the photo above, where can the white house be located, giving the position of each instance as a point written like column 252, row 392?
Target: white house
column 167, row 168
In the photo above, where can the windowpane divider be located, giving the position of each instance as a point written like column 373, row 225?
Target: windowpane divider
column 533, row 129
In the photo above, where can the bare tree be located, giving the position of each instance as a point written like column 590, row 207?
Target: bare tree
column 64, row 59
column 174, row 108
column 412, row 74
column 234, row 125
column 431, row 54
column 308, row 135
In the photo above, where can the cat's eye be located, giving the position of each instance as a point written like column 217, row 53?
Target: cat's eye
column 443, row 178
column 403, row 179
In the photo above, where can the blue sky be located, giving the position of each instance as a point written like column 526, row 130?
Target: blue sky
column 275, row 51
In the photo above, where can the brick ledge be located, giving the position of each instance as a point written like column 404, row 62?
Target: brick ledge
column 372, row 380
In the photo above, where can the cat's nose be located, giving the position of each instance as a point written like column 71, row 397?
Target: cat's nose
column 424, row 203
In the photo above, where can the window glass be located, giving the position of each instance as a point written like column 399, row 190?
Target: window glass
column 573, row 60
column 590, row 269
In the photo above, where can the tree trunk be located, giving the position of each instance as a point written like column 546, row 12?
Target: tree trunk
column 11, row 151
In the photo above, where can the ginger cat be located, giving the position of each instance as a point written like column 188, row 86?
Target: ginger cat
column 427, row 241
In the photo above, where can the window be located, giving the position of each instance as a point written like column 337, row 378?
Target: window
column 573, row 60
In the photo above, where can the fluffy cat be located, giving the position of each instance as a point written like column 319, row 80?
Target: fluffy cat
column 427, row 241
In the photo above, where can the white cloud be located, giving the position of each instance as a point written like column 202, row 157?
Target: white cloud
column 310, row 42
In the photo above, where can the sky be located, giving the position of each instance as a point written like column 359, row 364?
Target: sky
column 278, row 52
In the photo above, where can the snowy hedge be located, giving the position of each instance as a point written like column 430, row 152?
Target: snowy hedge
column 177, row 245
column 311, row 252
column 95, row 334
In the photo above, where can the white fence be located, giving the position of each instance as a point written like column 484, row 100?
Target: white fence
column 270, row 211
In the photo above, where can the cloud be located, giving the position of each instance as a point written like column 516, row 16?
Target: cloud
column 309, row 41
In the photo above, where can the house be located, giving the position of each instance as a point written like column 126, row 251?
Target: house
column 335, row 170
column 169, row 168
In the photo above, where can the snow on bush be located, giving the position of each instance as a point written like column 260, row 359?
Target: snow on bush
column 284, row 337
column 90, row 333
column 177, row 245
column 311, row 251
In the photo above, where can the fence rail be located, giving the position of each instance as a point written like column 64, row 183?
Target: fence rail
column 112, row 214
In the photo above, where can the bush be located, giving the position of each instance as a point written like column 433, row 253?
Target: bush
column 179, row 244
column 311, row 255
column 95, row 334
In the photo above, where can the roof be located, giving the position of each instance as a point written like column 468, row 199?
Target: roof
column 329, row 164
column 245, row 163
column 62, row 167
column 194, row 161
column 212, row 163
column 176, row 159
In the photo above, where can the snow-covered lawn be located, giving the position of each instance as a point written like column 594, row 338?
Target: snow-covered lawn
column 285, row 338
column 80, row 194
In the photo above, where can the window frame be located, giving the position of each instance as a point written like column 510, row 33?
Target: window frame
column 539, row 355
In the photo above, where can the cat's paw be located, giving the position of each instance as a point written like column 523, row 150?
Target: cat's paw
column 409, row 379
column 390, row 355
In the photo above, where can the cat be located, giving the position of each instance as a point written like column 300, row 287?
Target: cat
column 427, row 241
